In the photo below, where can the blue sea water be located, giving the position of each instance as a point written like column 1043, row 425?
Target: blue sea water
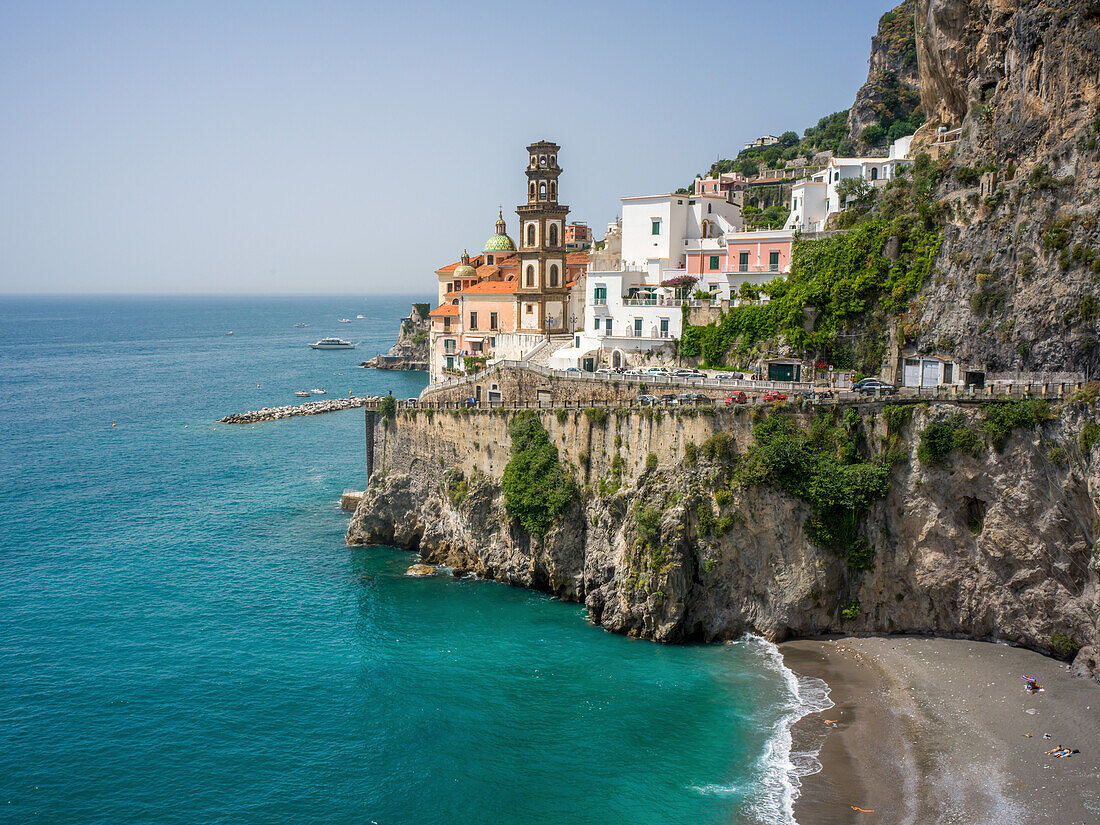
column 185, row 638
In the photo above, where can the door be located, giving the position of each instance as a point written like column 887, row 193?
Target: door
column 781, row 372
column 589, row 365
column 930, row 373
column 912, row 372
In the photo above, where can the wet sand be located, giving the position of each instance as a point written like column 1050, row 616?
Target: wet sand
column 934, row 731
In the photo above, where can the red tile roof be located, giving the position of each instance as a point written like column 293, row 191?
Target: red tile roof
column 487, row 270
column 448, row 269
column 446, row 309
column 492, row 288
column 576, row 258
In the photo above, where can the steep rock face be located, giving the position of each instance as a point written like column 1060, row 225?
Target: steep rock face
column 891, row 91
column 1015, row 287
column 411, row 350
column 1000, row 546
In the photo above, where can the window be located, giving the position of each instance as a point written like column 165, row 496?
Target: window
column 599, row 296
column 743, row 262
column 553, row 190
column 531, row 190
column 607, row 325
column 655, row 229
column 450, row 362
column 530, row 308
column 680, row 202
column 709, row 208
column 530, row 234
column 713, row 261
column 457, row 286
column 475, row 346
column 773, row 260
column 716, row 187
column 530, row 278
column 449, row 345
column 664, row 327
column 577, row 341
column 493, row 320
column 836, row 176
column 542, row 191
column 874, row 173
column 638, row 327
column 473, row 320
column 489, row 260
column 553, row 274
column 794, row 205
column 553, row 234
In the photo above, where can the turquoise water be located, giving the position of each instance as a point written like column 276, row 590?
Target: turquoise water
column 185, row 638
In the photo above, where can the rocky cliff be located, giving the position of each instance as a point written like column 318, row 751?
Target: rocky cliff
column 1015, row 285
column 888, row 104
column 411, row 350
column 665, row 542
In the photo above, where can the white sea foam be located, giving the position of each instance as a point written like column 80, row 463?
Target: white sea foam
column 781, row 769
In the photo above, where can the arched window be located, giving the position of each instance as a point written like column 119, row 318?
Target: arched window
column 532, row 189
column 542, row 191
column 553, row 275
column 530, row 234
column 530, row 275
column 874, row 173
column 553, row 190
column 489, row 259
column 553, row 234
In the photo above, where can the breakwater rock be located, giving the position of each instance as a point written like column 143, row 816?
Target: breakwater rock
column 292, row 410
column 679, row 531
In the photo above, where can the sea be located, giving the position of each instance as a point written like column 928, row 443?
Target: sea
column 185, row 637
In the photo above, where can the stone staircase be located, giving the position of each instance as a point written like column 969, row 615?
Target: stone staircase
column 540, row 355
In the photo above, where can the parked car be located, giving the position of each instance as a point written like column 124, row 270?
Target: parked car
column 669, row 400
column 695, row 398
column 869, row 386
column 634, row 371
column 648, row 400
column 572, row 369
column 774, row 396
column 736, row 398
column 470, row 402
column 603, row 371
column 817, row 395
column 688, row 374
column 663, row 372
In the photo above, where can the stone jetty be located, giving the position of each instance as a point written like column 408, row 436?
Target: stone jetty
column 291, row 410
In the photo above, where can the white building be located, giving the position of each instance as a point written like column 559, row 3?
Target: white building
column 627, row 309
column 814, row 200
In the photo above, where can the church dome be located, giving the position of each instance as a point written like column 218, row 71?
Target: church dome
column 464, row 270
column 500, row 242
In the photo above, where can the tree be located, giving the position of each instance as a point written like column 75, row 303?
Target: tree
column 855, row 190
column 788, row 139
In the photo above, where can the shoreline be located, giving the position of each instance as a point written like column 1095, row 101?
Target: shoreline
column 935, row 730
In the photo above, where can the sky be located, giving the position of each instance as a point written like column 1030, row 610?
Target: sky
column 355, row 147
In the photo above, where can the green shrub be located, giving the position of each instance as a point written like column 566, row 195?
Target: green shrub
column 387, row 407
column 704, row 519
column 1064, row 646
column 824, row 467
column 537, row 487
column 1001, row 417
column 597, row 415
column 651, row 462
column 718, row 447
column 850, row 609
column 938, row 440
column 691, row 454
column 723, row 497
column 561, row 415
column 1057, row 456
column 1086, row 394
column 1090, row 434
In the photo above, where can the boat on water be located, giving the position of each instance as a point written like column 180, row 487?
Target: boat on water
column 230, row 332
column 302, row 394
column 319, row 392
column 301, row 324
column 345, row 320
column 333, row 343
column 360, row 317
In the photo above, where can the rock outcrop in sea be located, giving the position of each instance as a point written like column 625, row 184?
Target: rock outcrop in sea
column 411, row 350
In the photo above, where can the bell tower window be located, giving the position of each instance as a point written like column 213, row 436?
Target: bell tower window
column 542, row 191
column 530, row 234
column 530, row 276
column 553, row 234
column 553, row 275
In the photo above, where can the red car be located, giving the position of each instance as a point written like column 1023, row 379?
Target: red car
column 736, row 398
column 774, row 396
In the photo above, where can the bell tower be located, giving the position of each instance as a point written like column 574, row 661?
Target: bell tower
column 542, row 296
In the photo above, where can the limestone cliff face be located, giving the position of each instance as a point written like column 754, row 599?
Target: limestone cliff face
column 411, row 350
column 1015, row 285
column 891, row 91
column 997, row 547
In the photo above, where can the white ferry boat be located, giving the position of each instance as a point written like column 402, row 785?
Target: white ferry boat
column 333, row 343
column 345, row 320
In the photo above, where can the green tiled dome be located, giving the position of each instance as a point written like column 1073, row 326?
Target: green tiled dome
column 500, row 242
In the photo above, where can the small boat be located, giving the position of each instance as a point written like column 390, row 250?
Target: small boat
column 300, row 324
column 345, row 320
column 230, row 332
column 302, row 394
column 333, row 343
column 318, row 392
column 360, row 317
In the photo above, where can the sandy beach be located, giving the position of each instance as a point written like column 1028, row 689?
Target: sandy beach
column 943, row 731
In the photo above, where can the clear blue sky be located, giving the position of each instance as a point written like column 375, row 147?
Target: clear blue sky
column 270, row 147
